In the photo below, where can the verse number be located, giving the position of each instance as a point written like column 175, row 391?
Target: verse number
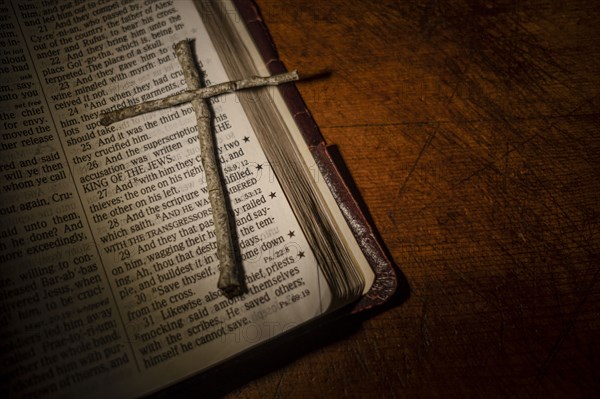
column 124, row 254
column 148, row 321
column 140, row 298
column 92, row 165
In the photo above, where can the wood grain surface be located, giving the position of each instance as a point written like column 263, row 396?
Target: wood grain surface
column 472, row 133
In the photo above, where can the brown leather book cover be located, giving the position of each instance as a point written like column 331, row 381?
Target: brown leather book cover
column 385, row 283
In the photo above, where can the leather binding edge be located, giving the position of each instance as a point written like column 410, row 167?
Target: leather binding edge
column 385, row 283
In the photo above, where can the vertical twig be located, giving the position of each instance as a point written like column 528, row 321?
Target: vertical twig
column 229, row 278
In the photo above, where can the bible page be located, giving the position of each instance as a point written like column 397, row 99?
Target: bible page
column 107, row 247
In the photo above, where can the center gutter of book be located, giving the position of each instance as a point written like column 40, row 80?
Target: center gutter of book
column 158, row 243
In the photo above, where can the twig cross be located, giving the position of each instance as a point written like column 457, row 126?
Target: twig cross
column 229, row 279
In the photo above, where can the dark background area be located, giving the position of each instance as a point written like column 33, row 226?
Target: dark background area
column 471, row 131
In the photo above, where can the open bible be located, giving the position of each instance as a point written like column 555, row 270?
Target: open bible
column 108, row 283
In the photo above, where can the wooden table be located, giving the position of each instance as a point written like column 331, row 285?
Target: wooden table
column 472, row 133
